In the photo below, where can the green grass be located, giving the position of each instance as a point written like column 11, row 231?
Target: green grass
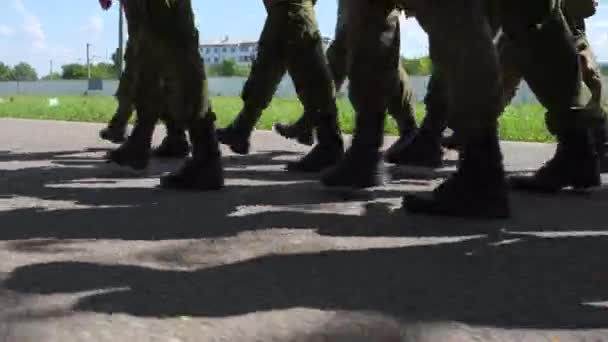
column 518, row 123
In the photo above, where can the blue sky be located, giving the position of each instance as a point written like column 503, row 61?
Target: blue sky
column 38, row 31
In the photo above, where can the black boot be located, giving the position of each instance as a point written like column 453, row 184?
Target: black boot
column 113, row 134
column 329, row 149
column 116, row 131
column 237, row 134
column 202, row 172
column 360, row 166
column 477, row 190
column 575, row 164
column 405, row 138
column 301, row 131
column 174, row 145
column 135, row 152
column 424, row 150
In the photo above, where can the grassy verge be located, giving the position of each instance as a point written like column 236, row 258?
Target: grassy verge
column 518, row 123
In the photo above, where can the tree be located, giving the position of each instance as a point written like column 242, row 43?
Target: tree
column 104, row 71
column 228, row 68
column 24, row 72
column 6, row 73
column 422, row 66
column 74, row 72
column 53, row 76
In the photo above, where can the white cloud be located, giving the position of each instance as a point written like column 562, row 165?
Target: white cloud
column 6, row 31
column 31, row 25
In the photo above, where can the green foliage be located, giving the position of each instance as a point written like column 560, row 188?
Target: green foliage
column 418, row 66
column 104, row 71
column 74, row 72
column 6, row 73
column 518, row 123
column 24, row 72
column 53, row 76
column 228, row 68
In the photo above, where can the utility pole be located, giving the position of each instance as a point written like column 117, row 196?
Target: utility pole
column 119, row 58
column 51, row 73
column 88, row 62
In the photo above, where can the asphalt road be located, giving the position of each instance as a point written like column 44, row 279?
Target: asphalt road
column 91, row 254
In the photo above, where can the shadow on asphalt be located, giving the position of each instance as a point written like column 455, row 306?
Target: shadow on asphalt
column 535, row 283
column 111, row 210
column 529, row 282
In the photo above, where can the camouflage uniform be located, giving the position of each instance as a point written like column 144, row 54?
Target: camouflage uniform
column 425, row 149
column 458, row 32
column 290, row 41
column 536, row 53
column 169, row 71
column 175, row 144
column 401, row 106
column 534, row 43
column 542, row 43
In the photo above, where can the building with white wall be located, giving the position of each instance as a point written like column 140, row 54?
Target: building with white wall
column 242, row 52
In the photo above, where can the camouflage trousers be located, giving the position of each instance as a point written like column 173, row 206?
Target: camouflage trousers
column 592, row 74
column 290, row 41
column 545, row 56
column 401, row 104
column 461, row 48
column 168, row 72
column 125, row 95
column 535, row 53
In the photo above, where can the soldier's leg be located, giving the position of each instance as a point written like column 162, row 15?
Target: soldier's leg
column 267, row 72
column 117, row 127
column 302, row 129
column 373, row 63
column 135, row 152
column 543, row 44
column 190, row 106
column 592, row 77
column 424, row 149
column 310, row 72
column 203, row 171
column 459, row 32
column 401, row 107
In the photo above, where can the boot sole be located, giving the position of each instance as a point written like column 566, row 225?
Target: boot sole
column 301, row 140
column 113, row 140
